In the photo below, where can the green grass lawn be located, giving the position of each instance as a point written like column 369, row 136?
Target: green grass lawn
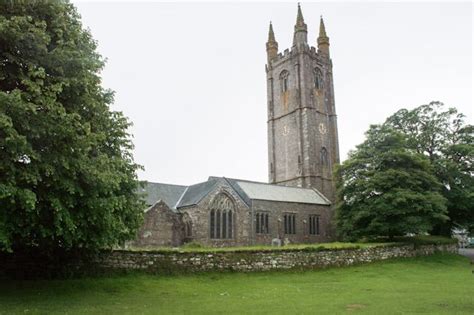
column 439, row 284
column 196, row 248
column 260, row 248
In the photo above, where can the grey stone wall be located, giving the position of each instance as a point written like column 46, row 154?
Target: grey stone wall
column 200, row 216
column 161, row 227
column 35, row 265
column 164, row 227
column 301, row 121
column 165, row 262
column 302, row 212
column 244, row 221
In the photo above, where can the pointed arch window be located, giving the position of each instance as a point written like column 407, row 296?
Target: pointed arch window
column 221, row 217
column 188, row 226
column 188, row 229
column 284, row 81
column 324, row 156
column 318, row 79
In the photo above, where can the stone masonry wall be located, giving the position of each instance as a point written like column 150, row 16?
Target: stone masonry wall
column 161, row 227
column 199, row 215
column 302, row 120
column 167, row 262
column 33, row 265
column 302, row 212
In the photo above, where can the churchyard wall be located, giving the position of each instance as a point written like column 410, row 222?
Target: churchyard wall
column 171, row 261
column 259, row 260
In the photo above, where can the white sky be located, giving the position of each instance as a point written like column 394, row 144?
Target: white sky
column 191, row 76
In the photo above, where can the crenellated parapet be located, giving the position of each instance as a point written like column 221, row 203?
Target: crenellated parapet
column 312, row 51
column 300, row 43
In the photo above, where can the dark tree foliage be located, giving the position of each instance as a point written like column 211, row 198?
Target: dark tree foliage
column 385, row 189
column 443, row 136
column 67, row 176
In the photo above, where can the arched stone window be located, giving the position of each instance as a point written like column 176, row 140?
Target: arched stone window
column 318, row 79
column 284, row 81
column 188, row 229
column 221, row 220
column 188, row 226
column 324, row 156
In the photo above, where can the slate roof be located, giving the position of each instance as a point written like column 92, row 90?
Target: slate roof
column 168, row 193
column 176, row 196
column 195, row 193
column 263, row 191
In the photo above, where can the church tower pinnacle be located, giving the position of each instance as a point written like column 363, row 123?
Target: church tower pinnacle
column 272, row 45
column 303, row 145
column 301, row 29
column 323, row 39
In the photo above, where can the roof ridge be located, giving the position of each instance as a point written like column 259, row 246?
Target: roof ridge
column 180, row 197
column 206, row 193
column 321, row 195
column 206, row 181
column 194, row 191
column 228, row 181
column 246, row 180
column 148, row 182
column 275, row 185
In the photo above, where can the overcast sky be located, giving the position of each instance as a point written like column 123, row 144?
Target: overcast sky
column 191, row 76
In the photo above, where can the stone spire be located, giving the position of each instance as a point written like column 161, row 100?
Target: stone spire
column 301, row 29
column 271, row 35
column 272, row 45
column 323, row 39
column 299, row 18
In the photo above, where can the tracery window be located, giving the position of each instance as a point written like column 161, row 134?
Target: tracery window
column 318, row 79
column 314, row 224
column 289, row 222
column 261, row 223
column 324, row 156
column 221, row 220
column 284, row 81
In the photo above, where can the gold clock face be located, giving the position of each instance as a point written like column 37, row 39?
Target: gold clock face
column 322, row 128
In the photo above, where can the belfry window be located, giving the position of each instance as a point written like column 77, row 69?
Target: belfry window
column 318, row 79
column 284, row 80
column 221, row 217
column 261, row 223
column 324, row 156
column 289, row 223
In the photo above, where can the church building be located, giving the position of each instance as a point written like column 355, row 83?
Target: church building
column 295, row 206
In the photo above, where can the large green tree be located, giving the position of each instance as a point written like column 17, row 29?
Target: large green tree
column 386, row 189
column 67, row 177
column 448, row 141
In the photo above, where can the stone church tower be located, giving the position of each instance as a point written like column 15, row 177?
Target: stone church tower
column 303, row 144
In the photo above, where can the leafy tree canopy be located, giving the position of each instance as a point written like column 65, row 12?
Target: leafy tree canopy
column 443, row 135
column 67, row 177
column 386, row 189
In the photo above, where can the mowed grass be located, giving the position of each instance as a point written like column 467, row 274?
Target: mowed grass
column 439, row 284
column 264, row 248
column 197, row 248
